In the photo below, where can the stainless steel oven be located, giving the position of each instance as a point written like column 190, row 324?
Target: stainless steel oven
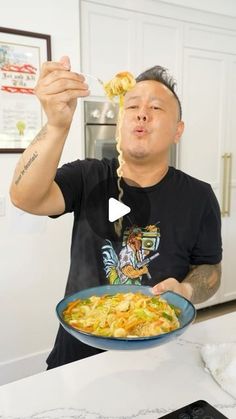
column 100, row 131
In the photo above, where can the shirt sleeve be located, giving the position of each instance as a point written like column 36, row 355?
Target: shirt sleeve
column 208, row 247
column 69, row 178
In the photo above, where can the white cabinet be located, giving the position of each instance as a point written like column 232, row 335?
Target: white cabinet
column 209, row 103
column 203, row 96
column 158, row 42
column 229, row 187
column 107, row 38
column 115, row 40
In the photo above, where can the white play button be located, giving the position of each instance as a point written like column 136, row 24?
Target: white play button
column 116, row 209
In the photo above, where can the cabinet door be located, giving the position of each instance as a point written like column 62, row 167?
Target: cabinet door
column 108, row 42
column 229, row 189
column 209, row 103
column 204, row 102
column 159, row 43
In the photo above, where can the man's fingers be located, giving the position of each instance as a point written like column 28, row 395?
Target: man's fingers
column 65, row 61
column 61, row 74
column 66, row 96
column 58, row 81
column 56, row 78
column 158, row 289
column 168, row 284
column 49, row 66
column 60, row 86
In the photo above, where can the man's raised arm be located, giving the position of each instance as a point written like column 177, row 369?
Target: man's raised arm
column 33, row 188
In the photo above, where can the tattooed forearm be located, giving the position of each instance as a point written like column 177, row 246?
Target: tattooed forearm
column 205, row 281
column 22, row 166
column 26, row 166
column 40, row 136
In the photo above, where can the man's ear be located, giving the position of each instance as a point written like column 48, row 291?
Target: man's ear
column 179, row 131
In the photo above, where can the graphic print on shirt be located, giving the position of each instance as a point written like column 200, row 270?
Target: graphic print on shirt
column 139, row 248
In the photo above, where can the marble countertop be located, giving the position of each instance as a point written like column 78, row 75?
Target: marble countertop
column 126, row 385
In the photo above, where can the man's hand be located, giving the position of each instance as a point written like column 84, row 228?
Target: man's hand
column 171, row 284
column 200, row 284
column 58, row 89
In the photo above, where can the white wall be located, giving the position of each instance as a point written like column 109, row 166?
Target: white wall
column 34, row 251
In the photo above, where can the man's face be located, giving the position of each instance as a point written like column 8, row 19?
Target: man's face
column 150, row 122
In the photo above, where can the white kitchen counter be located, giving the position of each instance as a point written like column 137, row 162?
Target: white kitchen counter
column 126, row 385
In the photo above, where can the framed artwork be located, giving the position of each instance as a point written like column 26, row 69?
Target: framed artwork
column 21, row 116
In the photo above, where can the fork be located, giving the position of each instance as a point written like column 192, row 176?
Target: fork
column 92, row 77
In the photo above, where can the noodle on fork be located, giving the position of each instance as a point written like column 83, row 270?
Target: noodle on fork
column 118, row 87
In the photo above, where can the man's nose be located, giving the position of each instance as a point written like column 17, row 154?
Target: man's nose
column 142, row 115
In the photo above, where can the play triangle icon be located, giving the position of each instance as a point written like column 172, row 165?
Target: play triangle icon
column 116, row 209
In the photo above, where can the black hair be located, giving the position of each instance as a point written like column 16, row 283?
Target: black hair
column 161, row 75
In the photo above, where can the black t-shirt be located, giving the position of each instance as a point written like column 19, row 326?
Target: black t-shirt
column 172, row 225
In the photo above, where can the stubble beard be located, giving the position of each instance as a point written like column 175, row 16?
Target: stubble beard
column 137, row 153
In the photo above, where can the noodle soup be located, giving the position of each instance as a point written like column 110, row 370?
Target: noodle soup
column 123, row 315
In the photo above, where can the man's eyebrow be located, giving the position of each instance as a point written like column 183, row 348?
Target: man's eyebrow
column 152, row 98
column 157, row 99
column 132, row 98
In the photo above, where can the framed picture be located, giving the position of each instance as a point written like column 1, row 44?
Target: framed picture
column 21, row 116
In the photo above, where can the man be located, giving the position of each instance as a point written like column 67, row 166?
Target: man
column 177, row 217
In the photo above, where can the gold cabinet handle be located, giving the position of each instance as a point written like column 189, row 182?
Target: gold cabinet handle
column 226, row 189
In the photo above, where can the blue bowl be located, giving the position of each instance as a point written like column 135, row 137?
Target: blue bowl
column 187, row 316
